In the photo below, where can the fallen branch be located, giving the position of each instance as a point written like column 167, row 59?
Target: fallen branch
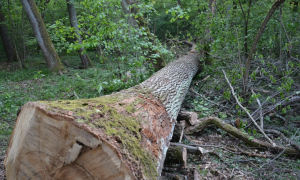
column 250, row 153
column 190, row 149
column 260, row 111
column 285, row 139
column 287, row 101
column 278, row 116
column 206, row 121
column 258, row 127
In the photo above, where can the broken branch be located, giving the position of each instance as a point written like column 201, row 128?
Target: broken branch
column 258, row 127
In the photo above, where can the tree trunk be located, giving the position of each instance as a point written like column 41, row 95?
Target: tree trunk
column 85, row 60
column 208, row 39
column 246, row 20
column 138, row 21
column 8, row 45
column 263, row 26
column 52, row 59
column 124, row 135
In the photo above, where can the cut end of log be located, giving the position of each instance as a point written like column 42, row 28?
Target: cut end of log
column 50, row 146
column 190, row 117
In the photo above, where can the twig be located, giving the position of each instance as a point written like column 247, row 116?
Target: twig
column 283, row 103
column 295, row 59
column 182, row 129
column 272, row 159
column 258, row 127
column 202, row 84
column 284, row 138
column 240, row 61
column 278, row 116
column 260, row 111
column 192, row 148
column 76, row 95
column 275, row 94
column 207, row 99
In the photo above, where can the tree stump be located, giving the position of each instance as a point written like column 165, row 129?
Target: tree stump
column 124, row 135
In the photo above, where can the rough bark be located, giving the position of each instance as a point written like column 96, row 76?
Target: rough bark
column 138, row 21
column 85, row 59
column 7, row 43
column 263, row 26
column 51, row 57
column 124, row 135
column 190, row 117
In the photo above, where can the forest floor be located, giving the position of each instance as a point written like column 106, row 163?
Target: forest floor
column 224, row 155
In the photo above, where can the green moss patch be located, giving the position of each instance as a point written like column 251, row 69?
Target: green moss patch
column 112, row 114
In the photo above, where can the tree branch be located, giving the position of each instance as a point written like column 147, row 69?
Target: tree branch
column 258, row 127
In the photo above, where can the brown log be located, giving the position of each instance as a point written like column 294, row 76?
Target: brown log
column 124, row 135
column 190, row 117
column 206, row 121
column 176, row 155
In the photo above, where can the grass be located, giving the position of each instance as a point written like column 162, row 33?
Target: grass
column 37, row 83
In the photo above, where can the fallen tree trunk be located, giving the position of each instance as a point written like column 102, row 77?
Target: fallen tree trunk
column 124, row 135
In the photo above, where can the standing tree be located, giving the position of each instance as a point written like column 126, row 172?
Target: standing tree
column 246, row 16
column 51, row 57
column 8, row 45
column 136, row 19
column 86, row 61
column 263, row 26
column 120, row 136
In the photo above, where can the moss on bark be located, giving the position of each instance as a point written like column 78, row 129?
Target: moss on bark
column 115, row 116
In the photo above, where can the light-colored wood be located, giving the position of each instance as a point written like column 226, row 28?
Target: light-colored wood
column 43, row 146
column 182, row 123
column 196, row 174
column 184, row 157
column 190, row 117
column 124, row 135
